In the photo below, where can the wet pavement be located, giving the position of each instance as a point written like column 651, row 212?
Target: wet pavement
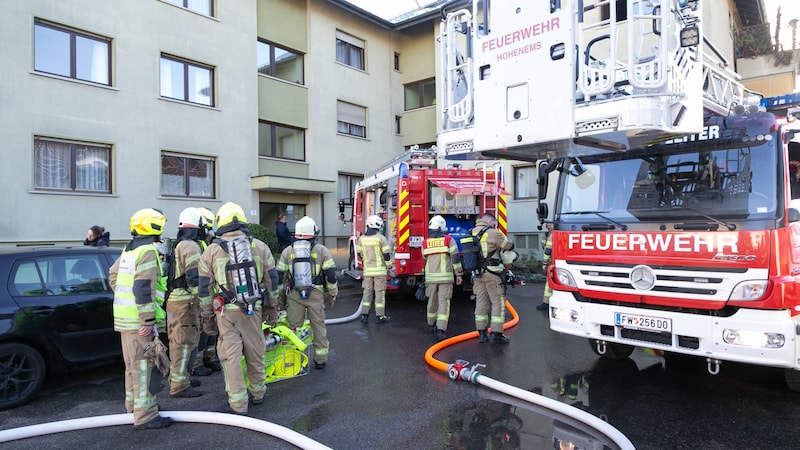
column 377, row 392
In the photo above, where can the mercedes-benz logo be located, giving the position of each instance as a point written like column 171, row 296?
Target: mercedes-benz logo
column 642, row 278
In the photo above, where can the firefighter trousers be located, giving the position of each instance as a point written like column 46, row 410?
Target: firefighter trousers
column 439, row 295
column 374, row 290
column 138, row 398
column 314, row 307
column 183, row 331
column 490, row 298
column 240, row 335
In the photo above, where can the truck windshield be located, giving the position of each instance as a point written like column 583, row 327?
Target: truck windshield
column 732, row 174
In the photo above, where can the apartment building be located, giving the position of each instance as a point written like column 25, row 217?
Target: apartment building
column 278, row 105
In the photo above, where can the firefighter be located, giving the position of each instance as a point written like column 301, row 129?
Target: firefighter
column 310, row 270
column 376, row 258
column 490, row 295
column 133, row 277
column 207, row 362
column 442, row 266
column 183, row 308
column 229, row 268
column 547, row 250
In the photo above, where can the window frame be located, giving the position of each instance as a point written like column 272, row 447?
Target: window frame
column 350, row 43
column 273, row 63
column 73, row 35
column 532, row 184
column 74, row 147
column 420, row 86
column 352, row 127
column 187, row 175
column 186, row 65
column 274, row 138
column 349, row 180
column 185, row 4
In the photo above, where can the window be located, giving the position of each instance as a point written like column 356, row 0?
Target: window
column 71, row 166
column 279, row 62
column 349, row 50
column 280, row 141
column 621, row 7
column 186, row 81
column 204, row 7
column 71, row 54
column 397, row 61
column 183, row 176
column 420, row 94
column 60, row 275
column 346, row 186
column 352, row 119
column 525, row 182
column 396, row 124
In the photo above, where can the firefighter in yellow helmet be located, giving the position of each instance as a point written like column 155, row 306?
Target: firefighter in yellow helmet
column 207, row 361
column 310, row 270
column 183, row 307
column 376, row 257
column 442, row 267
column 489, row 286
column 133, row 278
column 236, row 272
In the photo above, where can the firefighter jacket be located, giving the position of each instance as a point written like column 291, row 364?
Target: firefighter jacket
column 133, row 278
column 372, row 248
column 491, row 243
column 441, row 259
column 212, row 271
column 187, row 263
column 323, row 268
column 547, row 249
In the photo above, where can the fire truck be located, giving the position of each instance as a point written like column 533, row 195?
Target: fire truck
column 671, row 188
column 410, row 189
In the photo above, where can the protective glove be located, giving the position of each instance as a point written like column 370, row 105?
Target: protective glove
column 331, row 299
column 210, row 325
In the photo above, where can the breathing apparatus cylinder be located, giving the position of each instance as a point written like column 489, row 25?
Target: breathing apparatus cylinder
column 301, row 268
column 245, row 279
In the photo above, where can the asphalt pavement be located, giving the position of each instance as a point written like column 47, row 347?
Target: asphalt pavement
column 377, row 392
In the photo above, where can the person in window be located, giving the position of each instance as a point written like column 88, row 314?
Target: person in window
column 97, row 236
column 284, row 235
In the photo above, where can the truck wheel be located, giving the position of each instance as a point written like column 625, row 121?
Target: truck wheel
column 22, row 372
column 792, row 378
column 613, row 350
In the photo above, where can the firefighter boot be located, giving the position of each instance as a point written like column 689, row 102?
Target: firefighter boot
column 440, row 335
column 383, row 319
column 484, row 337
column 500, row 338
column 364, row 318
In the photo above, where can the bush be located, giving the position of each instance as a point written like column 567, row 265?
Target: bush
column 266, row 235
column 528, row 266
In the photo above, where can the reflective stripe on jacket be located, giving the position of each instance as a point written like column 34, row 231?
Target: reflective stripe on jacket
column 130, row 312
column 371, row 248
column 441, row 259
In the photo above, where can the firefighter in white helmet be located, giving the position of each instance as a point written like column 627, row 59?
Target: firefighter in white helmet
column 183, row 307
column 309, row 269
column 376, row 257
column 134, row 277
column 442, row 267
column 207, row 361
column 236, row 270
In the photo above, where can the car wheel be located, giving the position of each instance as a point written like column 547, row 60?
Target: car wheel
column 614, row 351
column 22, row 372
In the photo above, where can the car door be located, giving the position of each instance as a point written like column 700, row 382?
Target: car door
column 69, row 298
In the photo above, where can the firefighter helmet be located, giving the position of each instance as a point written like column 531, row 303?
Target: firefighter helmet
column 147, row 222
column 208, row 218
column 508, row 257
column 230, row 213
column 189, row 218
column 437, row 223
column 305, row 228
column 374, row 222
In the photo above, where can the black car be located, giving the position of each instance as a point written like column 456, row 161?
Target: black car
column 55, row 315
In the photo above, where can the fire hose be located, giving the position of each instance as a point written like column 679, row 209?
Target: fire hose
column 462, row 370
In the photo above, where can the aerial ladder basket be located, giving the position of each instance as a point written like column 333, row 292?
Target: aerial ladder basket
column 457, row 64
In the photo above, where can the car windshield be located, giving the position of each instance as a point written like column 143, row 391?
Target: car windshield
column 732, row 174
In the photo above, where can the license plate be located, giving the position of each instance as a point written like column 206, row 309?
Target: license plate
column 643, row 322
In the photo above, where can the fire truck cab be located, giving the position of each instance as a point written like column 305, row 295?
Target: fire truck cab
column 672, row 191
column 410, row 189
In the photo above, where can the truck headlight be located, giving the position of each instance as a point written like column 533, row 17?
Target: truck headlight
column 749, row 290
column 753, row 338
column 564, row 277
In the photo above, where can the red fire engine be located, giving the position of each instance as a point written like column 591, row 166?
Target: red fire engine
column 410, row 189
column 674, row 197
